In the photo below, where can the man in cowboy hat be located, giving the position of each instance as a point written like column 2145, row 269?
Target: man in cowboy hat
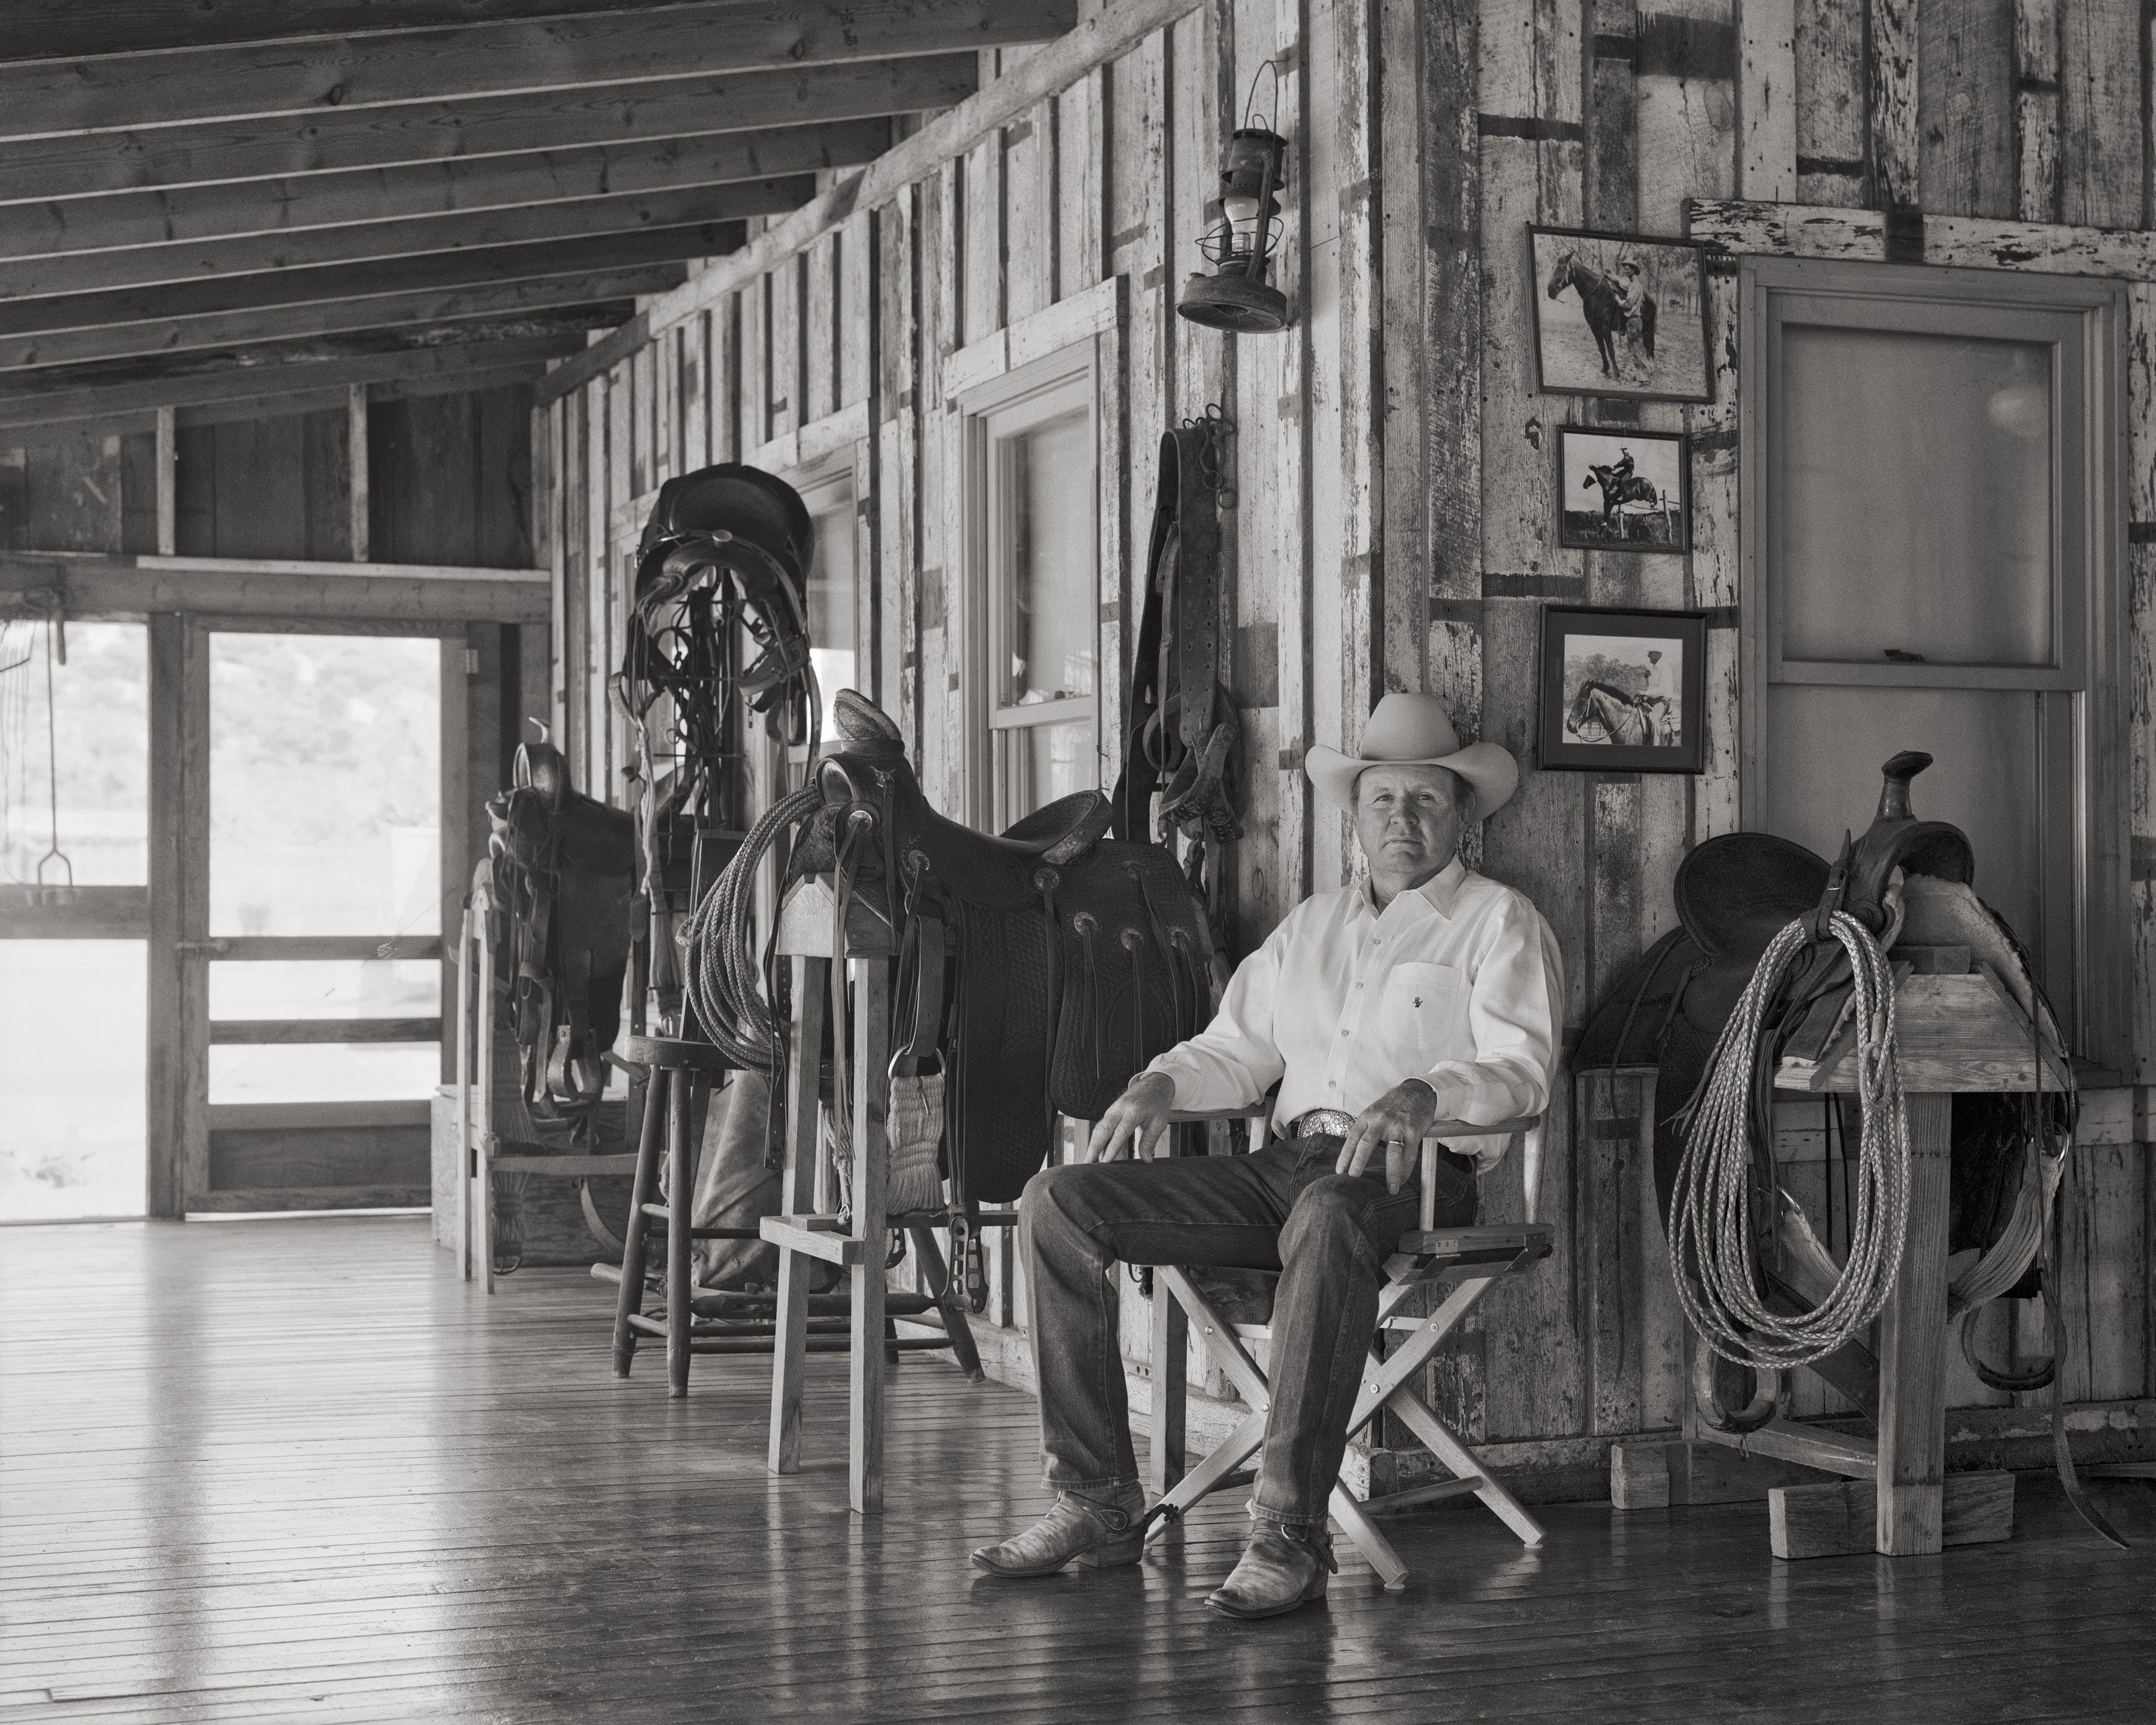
column 1423, row 992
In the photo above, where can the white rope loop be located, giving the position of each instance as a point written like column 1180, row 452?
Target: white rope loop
column 1707, row 1213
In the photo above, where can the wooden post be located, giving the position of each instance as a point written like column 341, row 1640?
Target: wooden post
column 168, row 463
column 790, row 1356
column 678, row 1090
column 481, row 1177
column 1913, row 1332
column 865, row 1362
column 463, row 1098
column 1170, row 1354
column 355, row 415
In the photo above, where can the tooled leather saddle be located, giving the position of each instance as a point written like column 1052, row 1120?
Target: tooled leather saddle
column 1044, row 965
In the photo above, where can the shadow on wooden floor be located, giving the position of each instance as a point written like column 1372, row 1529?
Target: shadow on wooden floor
column 294, row 1470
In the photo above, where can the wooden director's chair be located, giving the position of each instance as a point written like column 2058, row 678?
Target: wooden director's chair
column 1473, row 1260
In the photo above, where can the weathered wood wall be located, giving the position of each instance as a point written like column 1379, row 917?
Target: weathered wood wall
column 1392, row 466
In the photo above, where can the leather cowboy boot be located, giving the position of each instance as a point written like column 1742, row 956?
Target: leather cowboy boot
column 1100, row 1529
column 1282, row 1566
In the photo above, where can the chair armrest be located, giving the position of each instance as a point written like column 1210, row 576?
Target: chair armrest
column 1440, row 1130
column 1197, row 1116
column 1499, row 1243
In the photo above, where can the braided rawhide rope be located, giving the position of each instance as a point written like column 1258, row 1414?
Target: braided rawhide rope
column 724, row 977
column 1710, row 1255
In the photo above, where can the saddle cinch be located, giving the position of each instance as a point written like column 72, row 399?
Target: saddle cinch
column 1042, row 966
column 565, row 869
column 1909, row 882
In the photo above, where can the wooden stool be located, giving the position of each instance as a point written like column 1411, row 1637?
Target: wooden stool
column 808, row 1226
column 674, row 1067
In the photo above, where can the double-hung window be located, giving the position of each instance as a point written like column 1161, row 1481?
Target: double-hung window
column 1033, row 508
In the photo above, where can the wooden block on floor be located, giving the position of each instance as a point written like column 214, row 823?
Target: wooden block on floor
column 1660, row 1476
column 1840, row 1518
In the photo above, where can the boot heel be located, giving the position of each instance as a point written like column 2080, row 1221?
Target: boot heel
column 1116, row 1556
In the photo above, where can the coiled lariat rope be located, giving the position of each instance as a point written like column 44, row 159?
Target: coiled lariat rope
column 1710, row 1256
column 724, row 974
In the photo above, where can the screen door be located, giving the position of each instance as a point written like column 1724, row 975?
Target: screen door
column 312, row 917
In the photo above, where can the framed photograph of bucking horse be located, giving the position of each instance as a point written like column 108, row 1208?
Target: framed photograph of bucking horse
column 1623, row 690
column 1619, row 489
column 1620, row 314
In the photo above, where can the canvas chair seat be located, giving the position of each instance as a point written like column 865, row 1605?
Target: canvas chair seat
column 1472, row 1260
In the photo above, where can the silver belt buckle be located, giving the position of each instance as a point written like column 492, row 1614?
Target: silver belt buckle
column 1322, row 1123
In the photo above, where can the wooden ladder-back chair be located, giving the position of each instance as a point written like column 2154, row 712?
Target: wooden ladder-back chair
column 1473, row 1260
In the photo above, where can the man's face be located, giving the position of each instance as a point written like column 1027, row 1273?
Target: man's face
column 1408, row 820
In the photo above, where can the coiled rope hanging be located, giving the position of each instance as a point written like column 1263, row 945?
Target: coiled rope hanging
column 1707, row 1214
column 724, row 974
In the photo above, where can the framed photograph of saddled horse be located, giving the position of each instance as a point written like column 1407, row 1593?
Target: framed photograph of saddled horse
column 1623, row 490
column 1623, row 690
column 1620, row 315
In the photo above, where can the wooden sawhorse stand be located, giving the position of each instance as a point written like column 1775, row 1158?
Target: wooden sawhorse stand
column 807, row 1225
column 1956, row 1033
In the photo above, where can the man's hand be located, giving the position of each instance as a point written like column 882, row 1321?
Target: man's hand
column 1138, row 1117
column 1396, row 1123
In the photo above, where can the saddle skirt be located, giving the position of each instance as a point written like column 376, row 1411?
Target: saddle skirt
column 1070, row 960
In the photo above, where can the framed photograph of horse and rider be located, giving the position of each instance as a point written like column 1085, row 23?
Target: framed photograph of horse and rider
column 1626, row 316
column 1620, row 489
column 1623, row 690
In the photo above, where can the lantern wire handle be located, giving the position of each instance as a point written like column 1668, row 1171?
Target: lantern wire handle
column 1250, row 103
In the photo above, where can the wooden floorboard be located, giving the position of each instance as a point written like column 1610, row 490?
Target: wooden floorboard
column 295, row 1470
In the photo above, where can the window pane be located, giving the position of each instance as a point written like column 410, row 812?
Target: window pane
column 101, row 735
column 1049, row 624
column 324, row 785
column 1915, row 501
column 323, row 1072
column 1829, row 744
column 1042, row 762
column 312, row 988
column 832, row 613
column 72, row 1127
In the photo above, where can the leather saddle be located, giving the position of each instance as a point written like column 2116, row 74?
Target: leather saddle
column 565, row 873
column 1044, row 965
column 1734, row 893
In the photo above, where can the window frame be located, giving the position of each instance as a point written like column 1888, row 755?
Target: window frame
column 2085, row 320
column 1043, row 389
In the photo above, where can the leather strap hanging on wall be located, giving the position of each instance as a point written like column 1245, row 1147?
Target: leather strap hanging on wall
column 1184, row 726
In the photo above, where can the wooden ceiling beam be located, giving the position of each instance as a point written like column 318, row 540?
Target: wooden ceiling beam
column 278, row 404
column 195, row 213
column 223, row 329
column 305, row 352
column 147, row 265
column 527, row 357
column 278, row 148
column 171, row 86
column 429, row 272
column 69, row 29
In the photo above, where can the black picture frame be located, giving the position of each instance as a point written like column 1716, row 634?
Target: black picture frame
column 1570, row 358
column 1633, row 646
column 1672, row 478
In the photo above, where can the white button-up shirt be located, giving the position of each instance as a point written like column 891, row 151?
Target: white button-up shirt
column 1458, row 983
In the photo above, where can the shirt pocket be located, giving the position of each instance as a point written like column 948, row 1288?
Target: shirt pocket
column 1425, row 1019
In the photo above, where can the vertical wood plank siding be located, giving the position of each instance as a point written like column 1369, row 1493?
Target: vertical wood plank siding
column 1393, row 473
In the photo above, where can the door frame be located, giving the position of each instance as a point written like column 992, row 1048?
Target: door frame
column 180, row 1029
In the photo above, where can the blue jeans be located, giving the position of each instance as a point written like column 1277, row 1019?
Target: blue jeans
column 1280, row 1208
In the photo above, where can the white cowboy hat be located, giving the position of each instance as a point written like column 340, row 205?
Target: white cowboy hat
column 1416, row 731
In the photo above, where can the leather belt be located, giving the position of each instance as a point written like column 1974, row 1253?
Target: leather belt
column 1320, row 1123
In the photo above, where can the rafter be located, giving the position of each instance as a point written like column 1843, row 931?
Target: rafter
column 493, row 183
column 428, row 271
column 277, row 147
column 174, row 85
column 310, row 352
column 615, row 288
column 502, row 361
column 143, row 266
column 68, row 29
